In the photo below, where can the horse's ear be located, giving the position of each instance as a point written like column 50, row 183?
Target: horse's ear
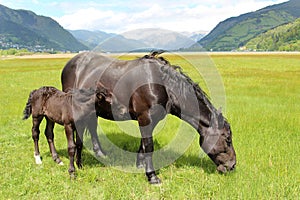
column 219, row 111
column 220, row 119
column 213, row 121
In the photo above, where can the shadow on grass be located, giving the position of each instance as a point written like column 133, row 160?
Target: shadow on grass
column 123, row 154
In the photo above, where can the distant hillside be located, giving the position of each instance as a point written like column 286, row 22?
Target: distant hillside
column 282, row 38
column 237, row 31
column 25, row 29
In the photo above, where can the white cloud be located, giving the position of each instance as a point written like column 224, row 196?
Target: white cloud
column 179, row 16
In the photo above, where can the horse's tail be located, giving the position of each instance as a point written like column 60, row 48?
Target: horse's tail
column 27, row 110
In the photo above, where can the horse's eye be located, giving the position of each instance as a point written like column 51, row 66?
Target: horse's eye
column 228, row 141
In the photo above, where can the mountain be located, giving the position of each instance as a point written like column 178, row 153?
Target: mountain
column 196, row 36
column 235, row 32
column 91, row 38
column 119, row 43
column 282, row 38
column 25, row 29
column 160, row 38
column 135, row 40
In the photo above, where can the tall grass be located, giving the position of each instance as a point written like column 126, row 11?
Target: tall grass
column 262, row 93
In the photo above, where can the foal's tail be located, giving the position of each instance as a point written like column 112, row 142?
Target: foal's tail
column 27, row 110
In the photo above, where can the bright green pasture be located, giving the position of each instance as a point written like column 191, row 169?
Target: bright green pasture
column 262, row 105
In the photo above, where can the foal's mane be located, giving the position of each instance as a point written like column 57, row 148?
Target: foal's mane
column 47, row 91
column 180, row 79
column 81, row 95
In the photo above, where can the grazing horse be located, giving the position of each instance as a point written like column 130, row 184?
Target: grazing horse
column 65, row 109
column 150, row 88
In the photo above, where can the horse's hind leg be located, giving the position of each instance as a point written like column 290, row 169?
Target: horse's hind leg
column 36, row 121
column 92, row 127
column 50, row 138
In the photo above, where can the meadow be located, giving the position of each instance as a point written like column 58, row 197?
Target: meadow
column 262, row 106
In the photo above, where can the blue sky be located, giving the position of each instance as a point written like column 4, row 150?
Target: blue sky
column 119, row 16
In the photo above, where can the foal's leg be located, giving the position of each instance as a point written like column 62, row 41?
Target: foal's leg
column 50, row 138
column 36, row 121
column 71, row 147
column 92, row 127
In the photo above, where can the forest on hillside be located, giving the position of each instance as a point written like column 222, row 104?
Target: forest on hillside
column 282, row 38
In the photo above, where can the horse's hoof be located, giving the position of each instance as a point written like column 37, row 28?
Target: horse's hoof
column 154, row 180
column 140, row 164
column 79, row 165
column 61, row 163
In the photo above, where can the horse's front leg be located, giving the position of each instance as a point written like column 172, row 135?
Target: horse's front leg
column 140, row 159
column 79, row 142
column 147, row 125
column 71, row 148
column 36, row 121
column 50, row 138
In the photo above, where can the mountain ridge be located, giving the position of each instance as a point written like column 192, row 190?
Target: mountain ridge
column 235, row 32
column 40, row 31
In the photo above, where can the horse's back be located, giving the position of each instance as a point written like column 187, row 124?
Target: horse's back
column 84, row 69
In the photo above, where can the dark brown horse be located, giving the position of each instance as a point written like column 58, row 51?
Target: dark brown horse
column 66, row 109
column 150, row 88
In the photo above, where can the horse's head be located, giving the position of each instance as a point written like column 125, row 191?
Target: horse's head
column 216, row 141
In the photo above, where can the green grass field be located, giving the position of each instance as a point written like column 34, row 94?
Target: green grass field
column 262, row 105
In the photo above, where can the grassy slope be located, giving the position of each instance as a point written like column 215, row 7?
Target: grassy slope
column 262, row 106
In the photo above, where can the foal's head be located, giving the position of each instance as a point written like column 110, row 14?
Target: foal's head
column 107, row 102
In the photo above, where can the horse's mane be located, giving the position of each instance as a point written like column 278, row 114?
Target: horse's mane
column 175, row 75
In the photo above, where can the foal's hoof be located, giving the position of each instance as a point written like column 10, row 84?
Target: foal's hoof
column 38, row 160
column 72, row 176
column 58, row 161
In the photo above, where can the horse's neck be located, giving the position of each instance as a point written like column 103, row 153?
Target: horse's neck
column 192, row 111
column 190, row 104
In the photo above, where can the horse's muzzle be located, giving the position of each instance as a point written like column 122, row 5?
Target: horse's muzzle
column 224, row 168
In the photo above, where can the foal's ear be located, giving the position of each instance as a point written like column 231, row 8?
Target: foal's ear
column 104, row 94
